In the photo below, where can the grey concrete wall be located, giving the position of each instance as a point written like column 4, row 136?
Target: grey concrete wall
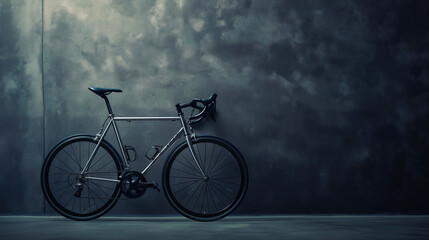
column 325, row 99
column 21, row 141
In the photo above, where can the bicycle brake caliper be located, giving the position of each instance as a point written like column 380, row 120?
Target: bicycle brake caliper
column 193, row 136
column 97, row 136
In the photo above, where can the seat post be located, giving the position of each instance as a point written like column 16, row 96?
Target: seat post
column 109, row 108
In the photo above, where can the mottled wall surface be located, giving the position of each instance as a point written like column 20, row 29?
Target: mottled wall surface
column 21, row 106
column 327, row 100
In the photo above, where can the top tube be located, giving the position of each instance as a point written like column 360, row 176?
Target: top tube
column 146, row 118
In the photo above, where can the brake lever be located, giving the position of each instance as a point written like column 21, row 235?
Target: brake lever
column 194, row 104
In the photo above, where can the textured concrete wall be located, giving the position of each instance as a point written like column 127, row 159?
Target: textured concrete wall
column 325, row 99
column 21, row 141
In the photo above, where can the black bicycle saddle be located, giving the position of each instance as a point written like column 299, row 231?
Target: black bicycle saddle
column 103, row 91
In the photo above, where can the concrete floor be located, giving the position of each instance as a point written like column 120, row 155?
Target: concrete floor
column 233, row 227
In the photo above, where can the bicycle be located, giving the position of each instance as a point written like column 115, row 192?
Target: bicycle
column 204, row 178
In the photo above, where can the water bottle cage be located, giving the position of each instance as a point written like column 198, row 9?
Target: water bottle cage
column 154, row 150
column 127, row 149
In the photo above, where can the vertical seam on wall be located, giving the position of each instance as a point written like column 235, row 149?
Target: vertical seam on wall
column 43, row 97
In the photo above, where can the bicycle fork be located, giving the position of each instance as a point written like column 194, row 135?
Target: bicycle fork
column 188, row 137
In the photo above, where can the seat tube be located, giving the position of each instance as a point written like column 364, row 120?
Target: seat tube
column 188, row 140
column 118, row 137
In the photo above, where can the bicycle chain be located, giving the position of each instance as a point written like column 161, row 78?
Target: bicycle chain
column 119, row 198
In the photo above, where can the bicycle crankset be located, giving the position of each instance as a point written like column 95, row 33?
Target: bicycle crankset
column 133, row 184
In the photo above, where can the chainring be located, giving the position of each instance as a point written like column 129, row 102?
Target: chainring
column 130, row 184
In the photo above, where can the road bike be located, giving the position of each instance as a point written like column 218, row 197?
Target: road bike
column 204, row 178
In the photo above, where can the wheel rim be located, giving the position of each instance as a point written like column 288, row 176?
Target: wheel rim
column 63, row 171
column 213, row 195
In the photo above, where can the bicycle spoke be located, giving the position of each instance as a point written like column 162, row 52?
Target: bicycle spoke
column 185, row 165
column 198, row 197
column 64, row 173
column 186, row 172
column 215, row 168
column 221, row 168
column 204, row 195
column 69, row 156
column 89, row 203
column 61, row 169
column 204, row 159
column 103, row 166
column 187, row 186
column 190, row 164
column 174, row 184
column 74, row 201
column 211, row 157
column 221, row 199
column 62, row 194
column 186, row 177
column 98, row 160
column 53, row 183
column 214, row 163
column 88, row 151
column 211, row 196
column 199, row 156
column 225, row 177
column 92, row 198
column 225, row 181
column 67, row 203
column 80, row 167
column 60, row 189
column 193, row 193
column 92, row 193
column 229, row 190
column 221, row 193
column 64, row 163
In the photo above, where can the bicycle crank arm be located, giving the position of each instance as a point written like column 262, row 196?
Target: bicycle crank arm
column 153, row 185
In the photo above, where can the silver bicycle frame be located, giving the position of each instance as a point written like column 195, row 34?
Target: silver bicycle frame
column 112, row 122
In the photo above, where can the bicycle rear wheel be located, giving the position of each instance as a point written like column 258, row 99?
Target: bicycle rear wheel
column 205, row 198
column 61, row 172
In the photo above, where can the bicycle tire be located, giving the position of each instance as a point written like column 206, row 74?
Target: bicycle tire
column 221, row 192
column 62, row 166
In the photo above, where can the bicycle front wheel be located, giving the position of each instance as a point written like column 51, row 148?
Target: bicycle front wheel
column 209, row 197
column 72, row 194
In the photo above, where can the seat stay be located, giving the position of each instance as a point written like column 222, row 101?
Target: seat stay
column 85, row 168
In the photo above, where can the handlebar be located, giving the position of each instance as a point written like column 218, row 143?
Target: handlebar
column 208, row 107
